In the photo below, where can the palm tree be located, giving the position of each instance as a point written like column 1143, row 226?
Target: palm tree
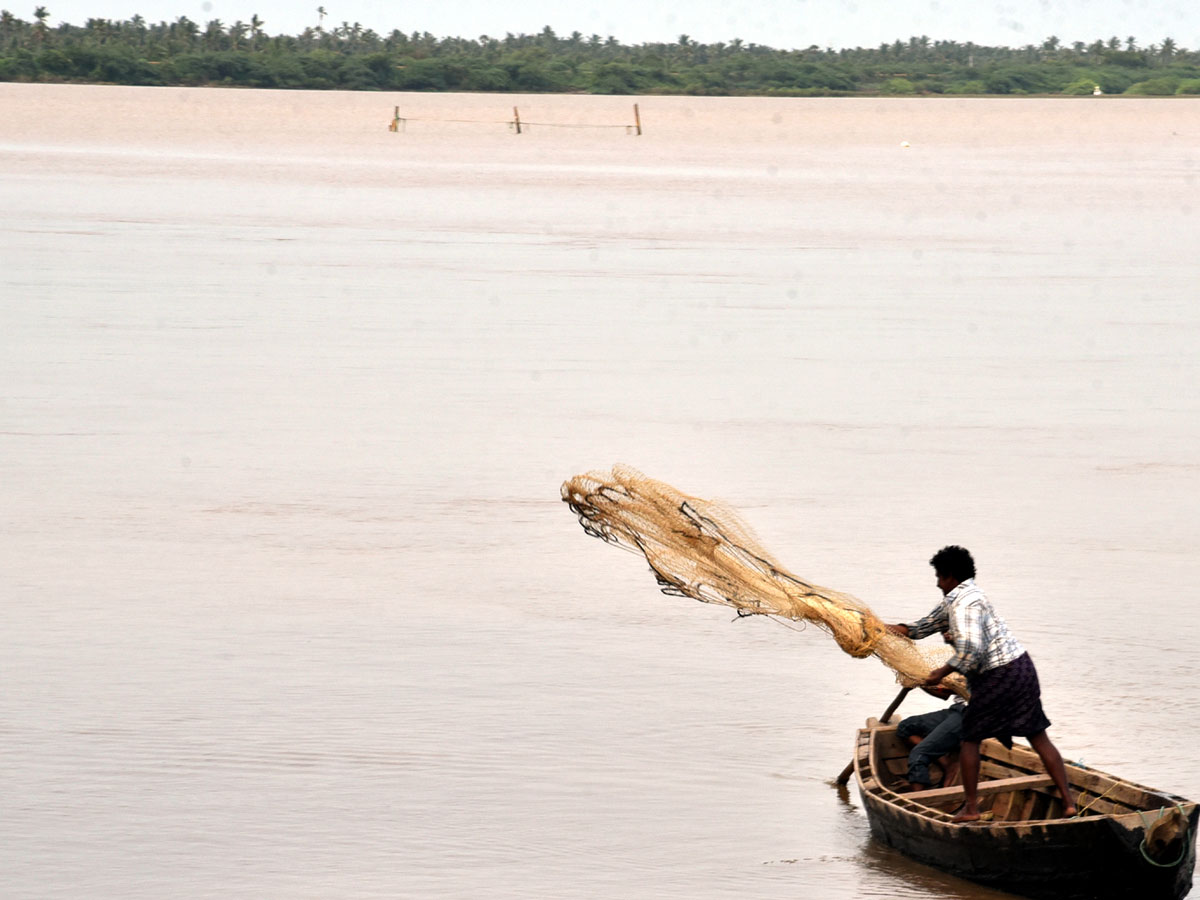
column 256, row 31
column 7, row 24
column 321, row 14
column 1168, row 48
column 189, row 29
column 39, row 29
column 214, row 34
column 101, row 28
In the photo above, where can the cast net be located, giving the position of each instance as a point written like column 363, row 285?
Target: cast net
column 701, row 549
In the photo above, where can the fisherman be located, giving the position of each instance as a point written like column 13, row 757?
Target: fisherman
column 1005, row 693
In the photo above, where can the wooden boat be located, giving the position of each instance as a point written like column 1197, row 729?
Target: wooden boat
column 1128, row 841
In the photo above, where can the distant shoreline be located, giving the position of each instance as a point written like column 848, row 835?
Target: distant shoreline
column 514, row 93
column 183, row 53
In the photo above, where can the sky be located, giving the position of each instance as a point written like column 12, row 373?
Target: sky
column 784, row 24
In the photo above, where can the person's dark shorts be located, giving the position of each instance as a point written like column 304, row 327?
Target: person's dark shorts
column 1005, row 701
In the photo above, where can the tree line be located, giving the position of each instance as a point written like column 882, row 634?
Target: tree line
column 350, row 57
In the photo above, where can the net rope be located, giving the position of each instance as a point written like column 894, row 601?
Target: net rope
column 703, row 550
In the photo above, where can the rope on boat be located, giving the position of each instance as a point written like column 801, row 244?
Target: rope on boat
column 1094, row 800
column 1146, row 835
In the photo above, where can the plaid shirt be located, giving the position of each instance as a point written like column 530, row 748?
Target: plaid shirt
column 981, row 639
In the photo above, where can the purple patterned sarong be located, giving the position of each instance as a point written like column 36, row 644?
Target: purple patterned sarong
column 1005, row 701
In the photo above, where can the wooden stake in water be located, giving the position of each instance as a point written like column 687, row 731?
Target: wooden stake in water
column 637, row 119
column 395, row 126
column 517, row 119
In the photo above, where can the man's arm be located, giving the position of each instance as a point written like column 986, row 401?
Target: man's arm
column 937, row 620
column 935, row 678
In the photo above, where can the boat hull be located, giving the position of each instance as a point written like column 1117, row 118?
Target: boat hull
column 1143, row 846
column 1094, row 859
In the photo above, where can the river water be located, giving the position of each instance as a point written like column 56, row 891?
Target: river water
column 291, row 607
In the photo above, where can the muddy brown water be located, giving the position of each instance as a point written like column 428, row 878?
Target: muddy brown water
column 291, row 607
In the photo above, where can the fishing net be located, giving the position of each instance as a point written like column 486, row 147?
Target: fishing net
column 701, row 549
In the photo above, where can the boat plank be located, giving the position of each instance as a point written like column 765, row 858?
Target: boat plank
column 1027, row 808
column 995, row 786
column 1002, row 808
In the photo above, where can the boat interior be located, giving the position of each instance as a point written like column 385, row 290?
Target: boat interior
column 1013, row 785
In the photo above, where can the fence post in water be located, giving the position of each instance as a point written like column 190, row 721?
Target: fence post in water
column 637, row 119
column 517, row 119
column 395, row 126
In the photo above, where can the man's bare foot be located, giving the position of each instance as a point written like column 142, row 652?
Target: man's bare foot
column 1070, row 812
column 962, row 814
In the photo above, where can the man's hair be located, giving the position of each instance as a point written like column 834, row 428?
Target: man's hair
column 954, row 561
